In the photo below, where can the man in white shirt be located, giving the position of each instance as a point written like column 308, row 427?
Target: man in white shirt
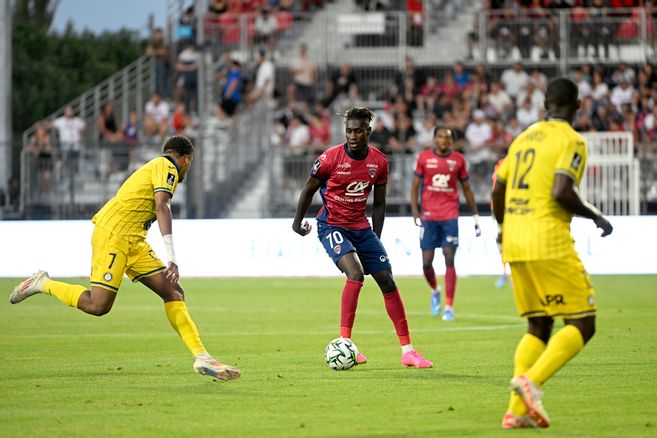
column 583, row 87
column 514, row 79
column 499, row 99
column 478, row 133
column 264, row 82
column 621, row 94
column 304, row 74
column 69, row 129
column 156, row 119
column 535, row 96
column 266, row 27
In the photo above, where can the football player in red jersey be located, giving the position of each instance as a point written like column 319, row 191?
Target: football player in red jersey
column 437, row 170
column 345, row 175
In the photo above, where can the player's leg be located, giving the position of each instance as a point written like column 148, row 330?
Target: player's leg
column 147, row 268
column 449, row 243
column 352, row 268
column 531, row 345
column 429, row 241
column 450, row 281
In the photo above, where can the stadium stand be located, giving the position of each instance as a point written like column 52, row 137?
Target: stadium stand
column 480, row 70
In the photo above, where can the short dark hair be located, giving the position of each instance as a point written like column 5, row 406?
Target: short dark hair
column 180, row 145
column 359, row 113
column 450, row 131
column 561, row 92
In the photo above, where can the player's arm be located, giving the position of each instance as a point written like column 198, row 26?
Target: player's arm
column 497, row 199
column 305, row 198
column 164, row 221
column 469, row 197
column 379, row 209
column 415, row 188
column 565, row 193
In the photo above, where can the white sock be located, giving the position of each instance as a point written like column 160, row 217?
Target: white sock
column 205, row 356
column 407, row 348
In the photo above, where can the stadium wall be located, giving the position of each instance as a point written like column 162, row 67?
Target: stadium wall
column 269, row 248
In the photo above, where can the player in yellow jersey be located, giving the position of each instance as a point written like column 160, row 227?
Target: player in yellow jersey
column 534, row 199
column 119, row 247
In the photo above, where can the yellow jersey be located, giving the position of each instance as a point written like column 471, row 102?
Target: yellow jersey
column 131, row 211
column 535, row 226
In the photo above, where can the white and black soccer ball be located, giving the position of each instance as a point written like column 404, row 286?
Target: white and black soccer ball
column 341, row 354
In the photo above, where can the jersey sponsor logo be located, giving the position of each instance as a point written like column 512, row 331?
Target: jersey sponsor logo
column 372, row 173
column 345, row 165
column 337, row 249
column 451, row 164
column 376, row 166
column 591, row 300
column 316, row 165
column 554, row 299
column 107, row 276
column 171, row 178
column 577, row 160
column 357, row 188
column 342, row 172
column 440, row 180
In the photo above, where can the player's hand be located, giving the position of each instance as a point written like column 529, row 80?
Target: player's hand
column 417, row 220
column 171, row 272
column 477, row 230
column 603, row 223
column 302, row 229
column 499, row 240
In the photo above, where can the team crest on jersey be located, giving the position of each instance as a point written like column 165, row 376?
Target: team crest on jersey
column 107, row 276
column 577, row 159
column 337, row 249
column 171, row 178
column 316, row 165
column 372, row 173
column 451, row 164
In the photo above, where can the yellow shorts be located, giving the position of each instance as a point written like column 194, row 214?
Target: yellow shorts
column 112, row 256
column 556, row 288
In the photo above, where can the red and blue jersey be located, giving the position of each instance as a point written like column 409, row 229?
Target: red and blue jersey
column 347, row 183
column 440, row 196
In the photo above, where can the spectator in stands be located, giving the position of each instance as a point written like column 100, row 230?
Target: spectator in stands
column 69, row 129
column 304, row 74
column 425, row 131
column 527, row 113
column 159, row 51
column 449, row 87
column 535, row 96
column 320, row 133
column 156, row 120
column 380, row 136
column 231, row 95
column 623, row 73
column 539, row 80
column 426, row 98
column 583, row 123
column 600, row 90
column 131, row 129
column 266, row 28
column 478, row 134
column 180, row 120
column 297, row 136
column 461, row 77
column 217, row 7
column 500, row 138
column 621, row 94
column 265, row 80
column 514, row 79
column 108, row 127
column 188, row 68
column 583, row 87
column 40, row 151
column 513, row 127
column 601, row 28
column 387, row 116
column 409, row 71
column 403, row 137
column 340, row 83
column 499, row 99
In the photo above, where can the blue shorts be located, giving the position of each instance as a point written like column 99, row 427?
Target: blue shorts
column 437, row 234
column 338, row 241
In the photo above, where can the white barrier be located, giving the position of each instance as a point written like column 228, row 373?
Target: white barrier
column 269, row 248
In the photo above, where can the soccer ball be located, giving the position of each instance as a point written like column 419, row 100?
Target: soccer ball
column 341, row 354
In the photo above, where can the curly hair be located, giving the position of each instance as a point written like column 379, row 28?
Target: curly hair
column 179, row 144
column 359, row 113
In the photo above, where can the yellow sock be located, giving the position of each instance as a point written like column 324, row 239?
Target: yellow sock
column 66, row 293
column 563, row 346
column 529, row 349
column 183, row 324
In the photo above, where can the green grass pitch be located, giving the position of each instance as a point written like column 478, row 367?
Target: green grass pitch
column 68, row 374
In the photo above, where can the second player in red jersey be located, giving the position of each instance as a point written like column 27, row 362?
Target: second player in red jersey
column 345, row 175
column 437, row 171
